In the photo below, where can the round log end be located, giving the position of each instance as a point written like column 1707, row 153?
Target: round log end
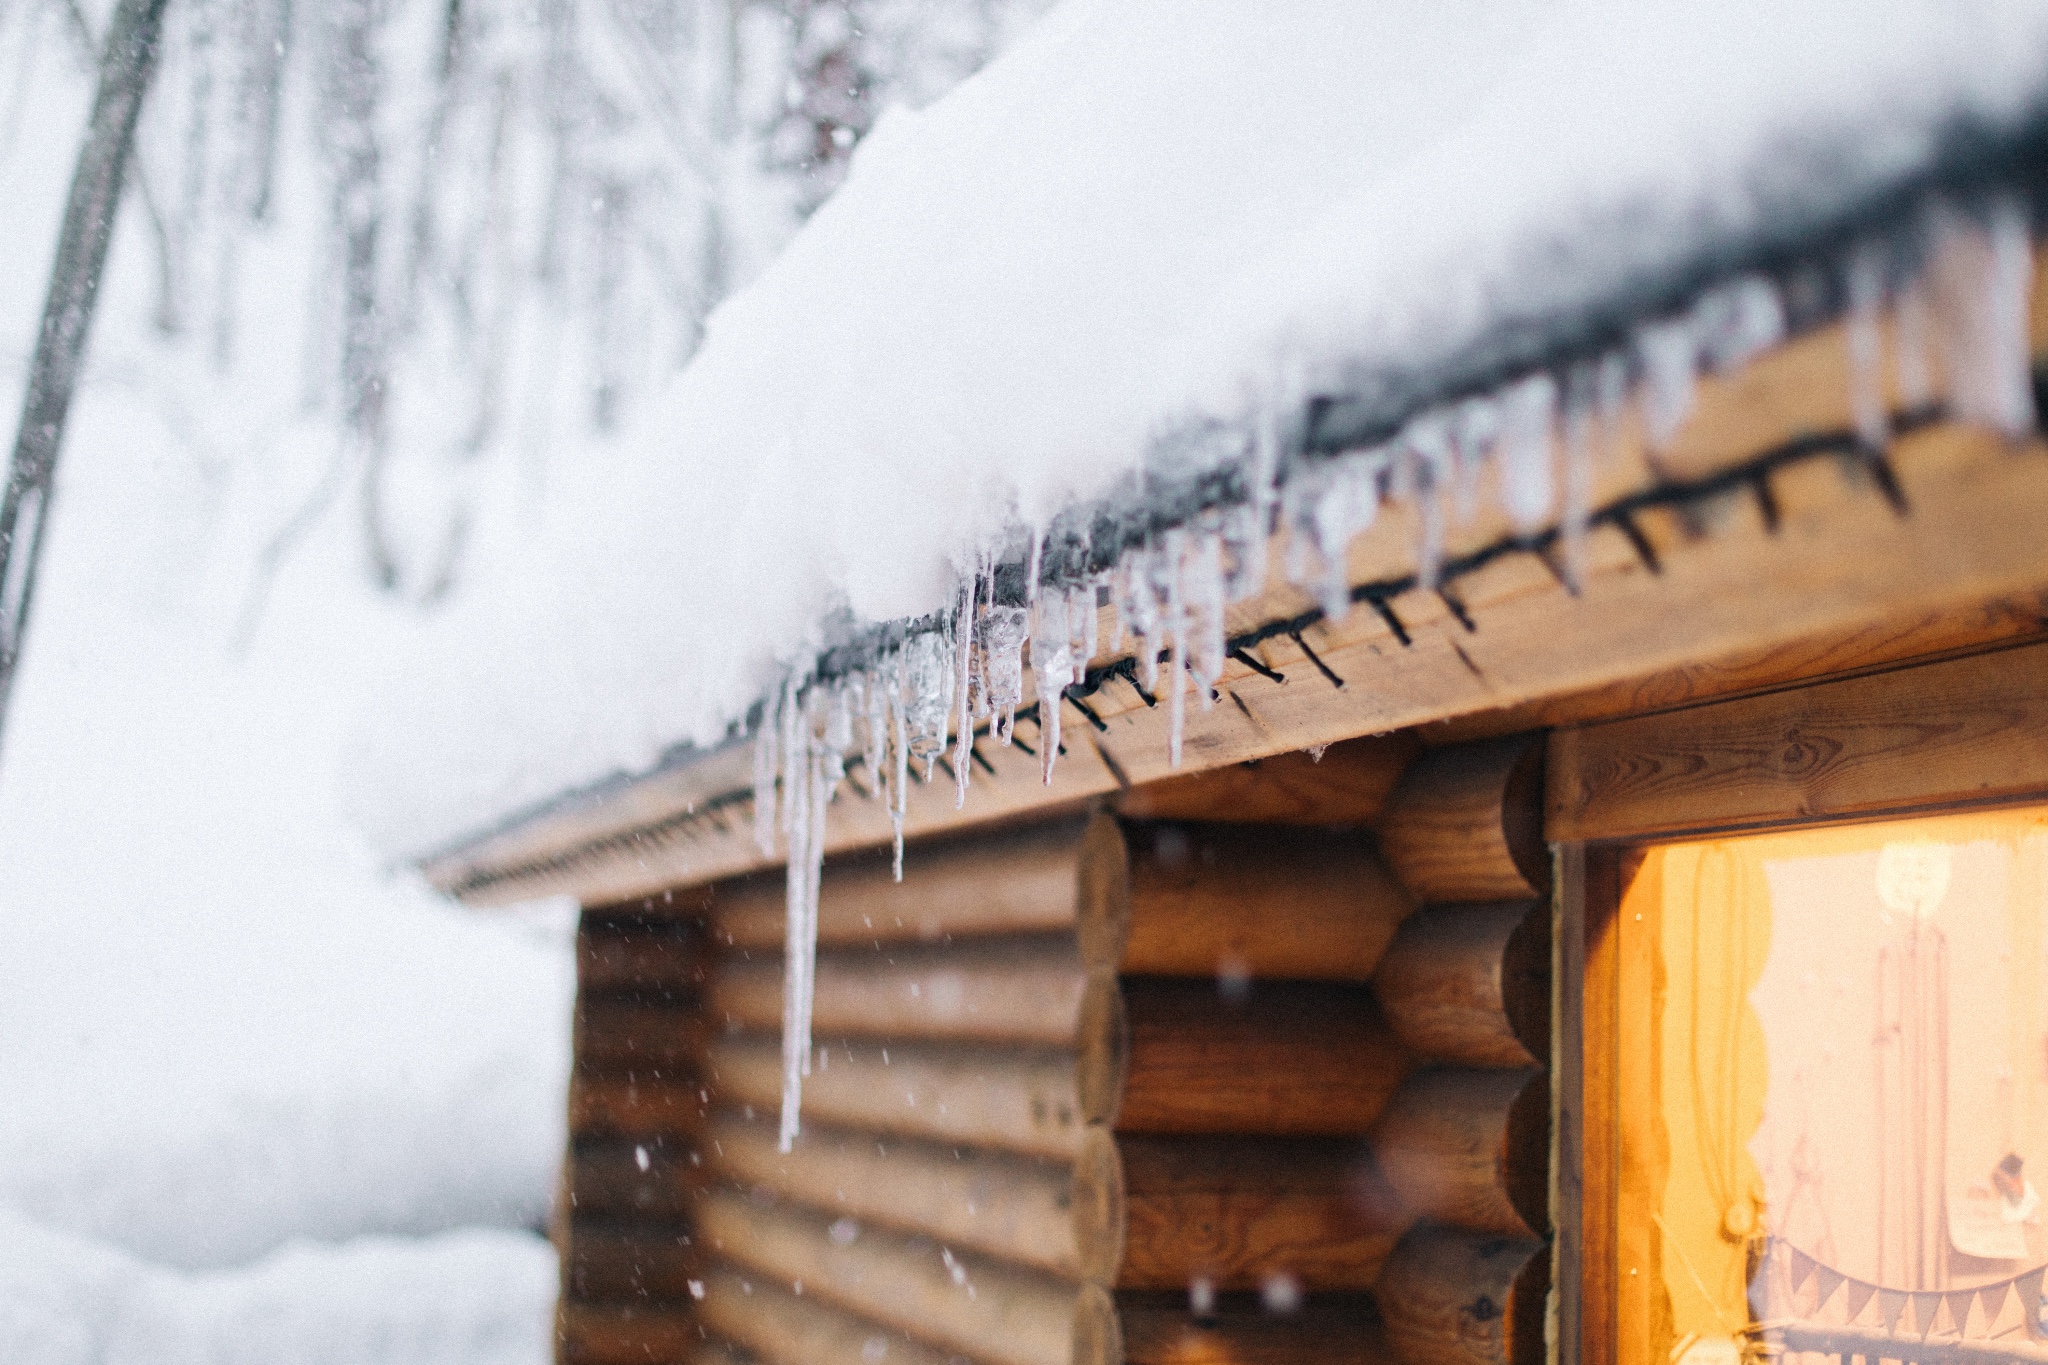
column 1459, row 1298
column 1471, row 984
column 1098, row 1206
column 1470, row 1149
column 1105, row 1050
column 1103, row 893
column 1098, row 1336
column 1466, row 823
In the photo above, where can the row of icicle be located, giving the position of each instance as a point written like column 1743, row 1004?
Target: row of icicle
column 1959, row 324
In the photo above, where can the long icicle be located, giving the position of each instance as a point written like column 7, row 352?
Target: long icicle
column 796, row 810
column 963, row 643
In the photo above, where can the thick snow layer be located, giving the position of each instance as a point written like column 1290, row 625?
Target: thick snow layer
column 226, row 1026
column 1149, row 211
column 466, row 1298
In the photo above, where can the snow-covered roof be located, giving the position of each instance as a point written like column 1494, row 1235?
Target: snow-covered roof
column 1165, row 254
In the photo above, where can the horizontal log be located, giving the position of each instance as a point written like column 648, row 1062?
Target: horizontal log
column 620, row 1177
column 627, row 1334
column 783, row 1328
column 1470, row 1149
column 1466, row 823
column 610, row 1036
column 1025, row 1102
column 999, row 1314
column 1238, row 1211
column 1460, row 1298
column 628, row 1261
column 1290, row 1059
column 1235, row 900
column 1345, row 784
column 650, row 959
column 635, row 1106
column 1873, row 1345
column 1007, row 881
column 1024, row 991
column 1963, row 730
column 1158, row 1329
column 1471, row 984
column 1002, row 1205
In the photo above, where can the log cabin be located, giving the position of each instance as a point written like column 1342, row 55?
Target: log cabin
column 1612, row 938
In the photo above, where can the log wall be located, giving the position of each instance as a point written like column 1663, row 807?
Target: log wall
column 1200, row 1079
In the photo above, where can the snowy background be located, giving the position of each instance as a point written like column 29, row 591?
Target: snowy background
column 267, row 1098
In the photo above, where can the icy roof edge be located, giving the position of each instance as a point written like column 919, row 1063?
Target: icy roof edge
column 1202, row 466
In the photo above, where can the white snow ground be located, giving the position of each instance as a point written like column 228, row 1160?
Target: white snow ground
column 263, row 1100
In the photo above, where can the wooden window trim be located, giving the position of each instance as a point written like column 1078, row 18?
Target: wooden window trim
column 1965, row 733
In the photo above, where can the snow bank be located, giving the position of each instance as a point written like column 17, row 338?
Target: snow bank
column 471, row 1298
column 1150, row 212
column 225, row 1024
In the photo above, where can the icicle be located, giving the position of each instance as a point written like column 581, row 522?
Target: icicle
column 1526, row 450
column 1475, row 425
column 1346, row 503
column 1910, row 371
column 1670, row 358
column 1982, row 275
column 1052, row 669
column 1119, row 589
column 1866, row 350
column 1738, row 321
column 899, row 790
column 1003, row 630
column 1243, row 542
column 963, row 684
column 1173, row 549
column 875, row 706
column 799, row 905
column 1581, row 400
column 1031, row 566
column 764, row 778
column 1427, row 441
column 1202, row 591
column 927, row 665
column 1140, row 609
column 1081, row 628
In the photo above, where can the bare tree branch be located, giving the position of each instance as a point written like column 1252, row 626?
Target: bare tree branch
column 125, row 70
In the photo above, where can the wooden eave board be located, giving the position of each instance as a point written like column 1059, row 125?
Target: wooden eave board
column 1840, row 562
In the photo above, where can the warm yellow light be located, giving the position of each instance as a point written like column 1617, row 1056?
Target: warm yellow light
column 1912, row 877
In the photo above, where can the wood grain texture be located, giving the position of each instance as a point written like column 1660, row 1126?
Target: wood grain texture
column 1347, row 784
column 624, row 1178
column 1021, row 991
column 1329, row 1329
column 1005, row 881
column 626, row 1334
column 1886, row 639
column 634, row 957
column 629, row 1261
column 644, row 1106
column 1449, row 1298
column 1838, row 559
column 1471, row 983
column 1466, row 823
column 1210, row 900
column 1290, row 1059
column 1238, row 1211
column 783, row 1328
column 995, row 1313
column 997, row 1204
column 613, row 1036
column 1016, row 1101
column 1963, row 730
column 1470, row 1149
